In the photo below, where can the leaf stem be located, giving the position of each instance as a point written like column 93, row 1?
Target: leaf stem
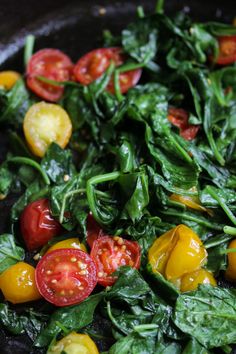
column 159, row 9
column 140, row 12
column 66, row 196
column 230, row 230
column 32, row 163
column 228, row 250
column 29, row 47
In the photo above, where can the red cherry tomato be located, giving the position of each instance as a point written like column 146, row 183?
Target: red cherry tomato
column 37, row 224
column 179, row 118
column 227, row 50
column 52, row 64
column 93, row 64
column 110, row 253
column 94, row 230
column 66, row 276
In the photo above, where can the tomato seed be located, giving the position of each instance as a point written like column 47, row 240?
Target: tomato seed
column 53, row 281
column 131, row 263
column 73, row 259
column 71, row 292
column 100, row 274
column 83, row 272
column 66, row 178
column 48, row 272
column 120, row 241
column 123, row 247
column 81, row 288
column 62, row 292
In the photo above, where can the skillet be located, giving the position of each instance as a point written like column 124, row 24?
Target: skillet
column 74, row 27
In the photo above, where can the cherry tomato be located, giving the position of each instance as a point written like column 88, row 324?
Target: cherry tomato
column 94, row 230
column 93, row 64
column 74, row 343
column 66, row 276
column 68, row 243
column 37, row 224
column 52, row 64
column 179, row 118
column 190, row 281
column 230, row 273
column 18, row 283
column 8, row 79
column 111, row 253
column 45, row 123
column 227, row 50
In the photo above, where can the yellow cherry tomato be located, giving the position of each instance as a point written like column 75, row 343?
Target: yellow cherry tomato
column 230, row 273
column 191, row 281
column 69, row 243
column 45, row 123
column 177, row 252
column 8, row 79
column 18, row 283
column 189, row 201
column 74, row 343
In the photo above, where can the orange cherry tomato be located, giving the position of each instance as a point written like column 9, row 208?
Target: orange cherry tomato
column 68, row 243
column 8, row 79
column 18, row 283
column 45, row 123
column 227, row 50
column 230, row 273
column 190, row 281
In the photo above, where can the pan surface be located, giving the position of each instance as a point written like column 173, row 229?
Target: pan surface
column 75, row 27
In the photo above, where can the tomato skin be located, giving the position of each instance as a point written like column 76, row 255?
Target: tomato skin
column 227, row 50
column 190, row 281
column 110, row 253
column 179, row 118
column 94, row 230
column 52, row 64
column 74, row 343
column 37, row 224
column 18, row 283
column 93, row 64
column 66, row 276
column 68, row 243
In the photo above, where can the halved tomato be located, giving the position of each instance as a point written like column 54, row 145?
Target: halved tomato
column 38, row 225
column 66, row 276
column 94, row 230
column 51, row 64
column 179, row 118
column 110, row 253
column 45, row 123
column 227, row 50
column 93, row 64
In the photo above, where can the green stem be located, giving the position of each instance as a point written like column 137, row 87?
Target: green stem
column 29, row 47
column 113, row 320
column 66, row 196
column 32, row 163
column 223, row 205
column 140, row 12
column 118, row 93
column 215, row 150
column 130, row 66
column 206, row 223
column 145, row 327
column 230, row 230
column 159, row 9
column 57, row 83
column 228, row 250
column 91, row 193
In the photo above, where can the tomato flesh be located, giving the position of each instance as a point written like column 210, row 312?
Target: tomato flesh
column 93, row 64
column 94, row 230
column 66, row 276
column 227, row 50
column 37, row 224
column 179, row 118
column 51, row 64
column 111, row 253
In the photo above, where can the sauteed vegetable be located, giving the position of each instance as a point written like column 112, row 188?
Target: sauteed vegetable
column 123, row 170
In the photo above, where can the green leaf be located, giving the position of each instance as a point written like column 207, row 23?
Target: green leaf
column 10, row 253
column 73, row 318
column 208, row 314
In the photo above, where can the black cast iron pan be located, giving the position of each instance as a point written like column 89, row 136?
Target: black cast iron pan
column 74, row 26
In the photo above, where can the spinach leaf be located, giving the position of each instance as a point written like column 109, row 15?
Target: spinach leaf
column 193, row 347
column 29, row 323
column 14, row 104
column 57, row 163
column 72, row 318
column 10, row 253
column 208, row 314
